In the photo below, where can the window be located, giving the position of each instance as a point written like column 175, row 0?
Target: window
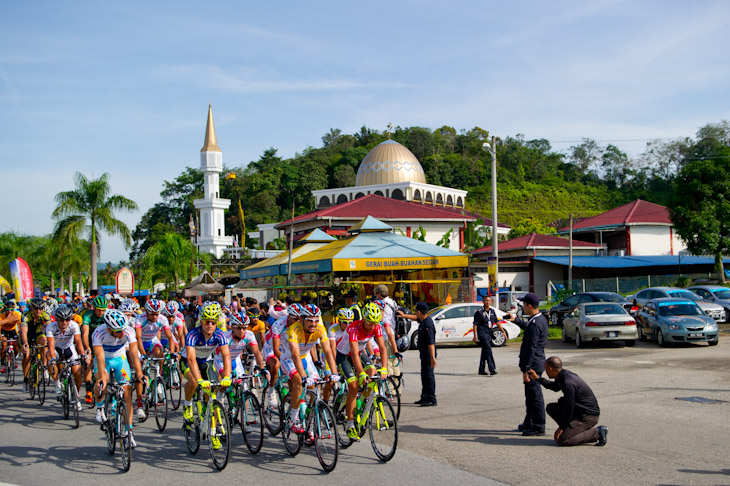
column 417, row 195
column 378, row 193
column 455, row 312
column 439, row 199
column 324, row 202
column 341, row 199
column 429, row 197
column 359, row 195
column 571, row 301
column 450, row 201
column 459, row 202
column 398, row 194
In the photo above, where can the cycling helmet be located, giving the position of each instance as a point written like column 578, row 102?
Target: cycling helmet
column 127, row 306
column 345, row 315
column 153, row 306
column 115, row 319
column 310, row 310
column 403, row 343
column 239, row 319
column 380, row 304
column 372, row 313
column 100, row 302
column 295, row 310
column 37, row 304
column 135, row 305
column 212, row 311
column 63, row 313
column 50, row 307
column 172, row 307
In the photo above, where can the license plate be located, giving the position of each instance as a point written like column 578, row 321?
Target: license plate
column 611, row 333
column 695, row 335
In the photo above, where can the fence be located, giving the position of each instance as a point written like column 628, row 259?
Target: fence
column 620, row 285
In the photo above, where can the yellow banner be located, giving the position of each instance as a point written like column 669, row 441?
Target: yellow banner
column 379, row 264
column 5, row 285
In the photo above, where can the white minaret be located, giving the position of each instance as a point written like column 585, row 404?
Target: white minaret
column 212, row 236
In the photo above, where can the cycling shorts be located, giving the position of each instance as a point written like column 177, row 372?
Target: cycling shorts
column 166, row 343
column 347, row 369
column 206, row 368
column 11, row 335
column 150, row 345
column 287, row 364
column 67, row 354
column 120, row 365
column 237, row 368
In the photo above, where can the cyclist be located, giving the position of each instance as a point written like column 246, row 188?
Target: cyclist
column 147, row 328
column 92, row 319
column 32, row 330
column 109, row 341
column 388, row 336
column 197, row 367
column 212, row 309
column 9, row 319
column 336, row 332
column 273, row 347
column 296, row 359
column 177, row 325
column 258, row 328
column 64, row 342
column 240, row 341
column 353, row 360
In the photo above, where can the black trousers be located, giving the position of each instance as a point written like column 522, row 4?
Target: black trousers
column 428, row 381
column 486, row 357
column 534, row 405
column 581, row 430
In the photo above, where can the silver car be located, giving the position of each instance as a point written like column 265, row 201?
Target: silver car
column 599, row 321
column 716, row 294
column 713, row 310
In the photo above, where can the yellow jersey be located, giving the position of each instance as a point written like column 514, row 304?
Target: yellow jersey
column 295, row 334
column 13, row 324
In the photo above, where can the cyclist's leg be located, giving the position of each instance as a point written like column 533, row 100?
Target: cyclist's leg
column 348, row 376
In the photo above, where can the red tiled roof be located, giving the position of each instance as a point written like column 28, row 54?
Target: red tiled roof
column 635, row 212
column 534, row 240
column 383, row 208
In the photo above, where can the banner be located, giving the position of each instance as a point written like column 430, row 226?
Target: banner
column 22, row 279
column 125, row 281
column 5, row 285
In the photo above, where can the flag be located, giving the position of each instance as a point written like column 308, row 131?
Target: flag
column 243, row 223
column 22, row 279
column 5, row 285
column 192, row 227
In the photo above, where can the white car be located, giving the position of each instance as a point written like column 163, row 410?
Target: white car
column 455, row 324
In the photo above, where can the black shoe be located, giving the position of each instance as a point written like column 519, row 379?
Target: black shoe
column 493, row 372
column 484, row 373
column 419, row 402
column 531, row 432
column 522, row 427
column 432, row 403
column 602, row 433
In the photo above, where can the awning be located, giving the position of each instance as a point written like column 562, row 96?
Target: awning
column 629, row 261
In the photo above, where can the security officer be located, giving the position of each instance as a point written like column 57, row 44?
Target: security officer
column 427, row 350
column 484, row 320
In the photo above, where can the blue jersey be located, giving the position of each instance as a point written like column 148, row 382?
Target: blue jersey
column 204, row 349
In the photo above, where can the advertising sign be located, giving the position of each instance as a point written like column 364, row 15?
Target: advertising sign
column 125, row 281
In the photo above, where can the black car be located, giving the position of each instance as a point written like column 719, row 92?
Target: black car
column 557, row 312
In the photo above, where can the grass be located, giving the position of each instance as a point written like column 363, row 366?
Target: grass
column 553, row 334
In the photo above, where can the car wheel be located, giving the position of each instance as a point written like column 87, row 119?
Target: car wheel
column 555, row 319
column 414, row 340
column 564, row 335
column 660, row 338
column 713, row 343
column 498, row 338
column 579, row 340
column 642, row 336
column 630, row 343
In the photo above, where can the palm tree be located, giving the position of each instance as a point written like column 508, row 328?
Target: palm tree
column 88, row 209
column 168, row 260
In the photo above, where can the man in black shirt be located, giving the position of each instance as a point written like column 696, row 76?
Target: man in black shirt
column 576, row 412
column 427, row 352
column 532, row 357
column 484, row 320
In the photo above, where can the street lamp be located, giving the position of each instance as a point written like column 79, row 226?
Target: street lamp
column 492, row 149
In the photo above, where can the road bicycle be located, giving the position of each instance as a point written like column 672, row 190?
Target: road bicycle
column 69, row 396
column 172, row 378
column 117, row 425
column 319, row 426
column 36, row 372
column 10, row 363
column 373, row 413
column 154, row 394
column 274, row 415
column 244, row 409
column 210, row 421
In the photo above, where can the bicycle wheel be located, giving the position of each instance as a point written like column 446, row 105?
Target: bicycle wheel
column 340, row 416
column 73, row 399
column 11, row 366
column 108, row 426
column 32, row 384
column 383, row 427
column 146, row 397
column 192, row 431
column 292, row 441
column 65, row 399
column 175, row 388
column 125, row 428
column 392, row 393
column 159, row 402
column 219, row 435
column 326, row 442
column 273, row 416
column 41, row 385
column 252, row 422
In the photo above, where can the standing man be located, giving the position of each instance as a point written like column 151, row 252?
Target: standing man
column 576, row 412
column 351, row 302
column 532, row 357
column 484, row 320
column 427, row 352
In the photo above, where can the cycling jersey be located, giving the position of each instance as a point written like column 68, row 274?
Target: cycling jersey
column 204, row 348
column 150, row 330
column 113, row 347
column 296, row 334
column 356, row 333
column 10, row 327
column 236, row 346
column 92, row 320
column 63, row 340
column 36, row 325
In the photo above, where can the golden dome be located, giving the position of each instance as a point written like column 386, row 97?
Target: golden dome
column 387, row 163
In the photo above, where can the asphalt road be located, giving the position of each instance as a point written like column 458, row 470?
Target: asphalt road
column 654, row 437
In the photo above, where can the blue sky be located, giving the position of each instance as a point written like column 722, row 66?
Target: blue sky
column 123, row 87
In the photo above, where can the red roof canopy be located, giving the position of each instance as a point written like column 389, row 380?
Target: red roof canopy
column 635, row 212
column 534, row 240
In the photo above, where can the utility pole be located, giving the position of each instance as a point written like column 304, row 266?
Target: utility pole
column 291, row 244
column 570, row 254
column 492, row 149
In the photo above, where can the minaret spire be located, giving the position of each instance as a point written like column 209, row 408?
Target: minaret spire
column 210, row 144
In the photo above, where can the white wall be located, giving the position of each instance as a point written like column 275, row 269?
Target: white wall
column 651, row 240
column 434, row 232
column 544, row 273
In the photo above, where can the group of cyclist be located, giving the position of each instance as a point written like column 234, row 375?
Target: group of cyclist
column 100, row 336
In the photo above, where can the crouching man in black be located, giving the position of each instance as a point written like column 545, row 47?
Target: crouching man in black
column 576, row 412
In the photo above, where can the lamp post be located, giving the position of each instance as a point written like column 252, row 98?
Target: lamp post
column 492, row 150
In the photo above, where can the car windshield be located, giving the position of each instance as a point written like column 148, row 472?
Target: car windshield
column 722, row 293
column 684, row 294
column 610, row 297
column 604, row 309
column 679, row 309
column 437, row 309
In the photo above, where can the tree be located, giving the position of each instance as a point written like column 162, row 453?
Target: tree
column 701, row 201
column 88, row 209
column 527, row 226
column 169, row 259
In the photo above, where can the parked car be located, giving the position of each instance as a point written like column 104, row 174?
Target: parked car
column 599, row 321
column 714, row 293
column 713, row 310
column 557, row 312
column 455, row 324
column 676, row 320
